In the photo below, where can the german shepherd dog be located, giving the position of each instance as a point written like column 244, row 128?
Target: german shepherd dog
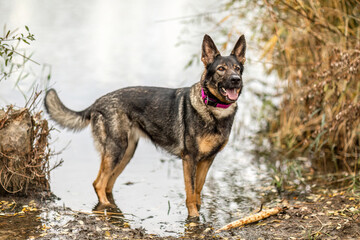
column 192, row 123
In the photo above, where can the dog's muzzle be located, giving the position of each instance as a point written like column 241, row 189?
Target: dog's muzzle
column 232, row 88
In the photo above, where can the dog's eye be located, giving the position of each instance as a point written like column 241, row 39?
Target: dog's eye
column 221, row 69
column 237, row 68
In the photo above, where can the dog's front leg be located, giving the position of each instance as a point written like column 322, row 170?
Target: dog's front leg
column 202, row 169
column 189, row 168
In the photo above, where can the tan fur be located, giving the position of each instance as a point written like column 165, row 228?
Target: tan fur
column 102, row 179
column 189, row 188
column 217, row 95
column 207, row 143
column 202, row 169
column 133, row 139
column 108, row 173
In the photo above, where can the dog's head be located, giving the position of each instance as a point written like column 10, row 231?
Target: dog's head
column 223, row 75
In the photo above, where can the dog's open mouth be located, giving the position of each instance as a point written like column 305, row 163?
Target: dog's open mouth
column 231, row 94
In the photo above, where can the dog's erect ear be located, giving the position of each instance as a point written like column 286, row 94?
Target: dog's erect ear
column 209, row 51
column 239, row 49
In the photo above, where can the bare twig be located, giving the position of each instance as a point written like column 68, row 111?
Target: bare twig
column 252, row 218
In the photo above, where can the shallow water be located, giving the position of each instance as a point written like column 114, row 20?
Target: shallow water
column 94, row 47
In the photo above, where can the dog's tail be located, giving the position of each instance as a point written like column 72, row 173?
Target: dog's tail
column 65, row 117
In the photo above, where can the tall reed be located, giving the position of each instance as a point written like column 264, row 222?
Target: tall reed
column 314, row 47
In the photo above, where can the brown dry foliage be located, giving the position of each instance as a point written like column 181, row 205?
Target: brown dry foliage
column 320, row 110
column 314, row 47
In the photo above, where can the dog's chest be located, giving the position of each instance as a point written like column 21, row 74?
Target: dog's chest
column 220, row 113
column 210, row 143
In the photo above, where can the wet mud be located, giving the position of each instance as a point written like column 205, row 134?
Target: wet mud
column 318, row 215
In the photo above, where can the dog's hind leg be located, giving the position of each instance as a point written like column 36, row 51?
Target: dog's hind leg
column 105, row 171
column 129, row 153
column 112, row 146
column 111, row 162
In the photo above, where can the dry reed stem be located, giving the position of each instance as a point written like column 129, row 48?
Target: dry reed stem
column 251, row 219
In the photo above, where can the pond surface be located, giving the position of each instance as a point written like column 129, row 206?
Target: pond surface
column 95, row 47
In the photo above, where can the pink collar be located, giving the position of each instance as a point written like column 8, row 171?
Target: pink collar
column 212, row 102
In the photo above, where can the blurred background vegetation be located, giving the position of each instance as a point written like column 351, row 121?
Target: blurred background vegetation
column 314, row 48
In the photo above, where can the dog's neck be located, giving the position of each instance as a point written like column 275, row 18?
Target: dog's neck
column 213, row 101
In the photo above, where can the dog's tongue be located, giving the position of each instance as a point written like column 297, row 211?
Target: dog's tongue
column 232, row 94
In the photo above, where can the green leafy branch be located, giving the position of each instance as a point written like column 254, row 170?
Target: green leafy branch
column 10, row 52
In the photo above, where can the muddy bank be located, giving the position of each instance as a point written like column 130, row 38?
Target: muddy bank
column 326, row 215
column 23, row 218
column 313, row 216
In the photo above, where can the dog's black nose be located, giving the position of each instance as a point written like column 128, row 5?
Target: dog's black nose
column 235, row 79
